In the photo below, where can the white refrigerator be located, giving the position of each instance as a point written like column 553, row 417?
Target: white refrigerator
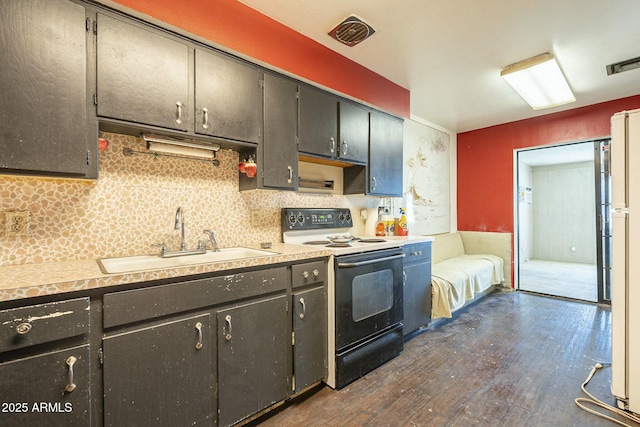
column 625, row 291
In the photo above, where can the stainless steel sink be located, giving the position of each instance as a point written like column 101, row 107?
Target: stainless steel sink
column 153, row 262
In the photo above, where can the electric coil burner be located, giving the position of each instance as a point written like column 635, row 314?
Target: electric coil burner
column 364, row 291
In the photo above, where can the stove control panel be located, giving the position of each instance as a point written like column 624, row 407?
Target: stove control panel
column 314, row 218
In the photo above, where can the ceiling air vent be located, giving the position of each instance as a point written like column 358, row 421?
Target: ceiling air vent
column 352, row 31
column 622, row 66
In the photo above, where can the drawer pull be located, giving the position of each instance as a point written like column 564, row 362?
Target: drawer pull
column 417, row 253
column 199, row 329
column 23, row 328
column 305, row 274
column 316, row 273
column 71, row 386
column 304, row 308
column 228, row 320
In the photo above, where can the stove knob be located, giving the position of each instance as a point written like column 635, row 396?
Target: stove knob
column 341, row 216
column 300, row 218
column 292, row 218
column 348, row 216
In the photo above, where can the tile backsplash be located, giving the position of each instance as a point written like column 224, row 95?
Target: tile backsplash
column 133, row 203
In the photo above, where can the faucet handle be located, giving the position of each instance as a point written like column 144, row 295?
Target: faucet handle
column 212, row 237
column 163, row 247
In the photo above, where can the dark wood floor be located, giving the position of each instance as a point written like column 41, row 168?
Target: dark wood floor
column 511, row 359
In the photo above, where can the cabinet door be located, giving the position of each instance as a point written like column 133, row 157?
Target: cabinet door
column 39, row 390
column 309, row 326
column 43, row 85
column 160, row 375
column 228, row 97
column 417, row 296
column 354, row 132
column 279, row 155
column 318, row 122
column 143, row 75
column 254, row 347
column 385, row 156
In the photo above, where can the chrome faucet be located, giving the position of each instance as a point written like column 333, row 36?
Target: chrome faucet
column 212, row 237
column 180, row 225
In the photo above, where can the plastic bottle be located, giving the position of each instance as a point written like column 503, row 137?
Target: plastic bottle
column 403, row 229
column 380, row 224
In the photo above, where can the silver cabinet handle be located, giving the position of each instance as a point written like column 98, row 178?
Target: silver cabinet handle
column 304, row 308
column 205, row 118
column 70, row 386
column 199, row 329
column 404, row 278
column 228, row 320
column 179, row 112
column 290, row 174
column 332, row 146
column 346, row 147
column 23, row 328
column 375, row 183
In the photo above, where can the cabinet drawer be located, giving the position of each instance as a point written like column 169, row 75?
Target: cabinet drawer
column 37, row 324
column 121, row 308
column 308, row 273
column 420, row 252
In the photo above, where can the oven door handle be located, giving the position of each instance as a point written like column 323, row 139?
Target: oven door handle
column 369, row 261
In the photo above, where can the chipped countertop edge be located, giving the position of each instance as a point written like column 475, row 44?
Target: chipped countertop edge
column 23, row 281
column 50, row 278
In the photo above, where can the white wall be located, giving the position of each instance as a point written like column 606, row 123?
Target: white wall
column 564, row 212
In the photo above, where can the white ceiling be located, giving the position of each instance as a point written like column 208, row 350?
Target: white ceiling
column 449, row 53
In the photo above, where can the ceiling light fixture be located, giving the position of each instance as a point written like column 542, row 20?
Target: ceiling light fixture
column 539, row 81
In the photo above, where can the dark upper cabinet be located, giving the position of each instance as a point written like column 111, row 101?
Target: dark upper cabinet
column 318, row 122
column 228, row 97
column 385, row 156
column 354, row 132
column 279, row 155
column 43, row 90
column 143, row 75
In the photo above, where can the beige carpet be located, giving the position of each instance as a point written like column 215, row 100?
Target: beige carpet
column 563, row 279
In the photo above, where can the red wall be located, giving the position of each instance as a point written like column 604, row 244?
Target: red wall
column 485, row 159
column 231, row 24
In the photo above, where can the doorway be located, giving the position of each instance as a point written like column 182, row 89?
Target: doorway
column 563, row 220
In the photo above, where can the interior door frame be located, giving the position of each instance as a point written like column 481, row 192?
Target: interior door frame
column 516, row 212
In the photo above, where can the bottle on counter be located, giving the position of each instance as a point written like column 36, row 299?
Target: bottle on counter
column 380, row 228
column 403, row 228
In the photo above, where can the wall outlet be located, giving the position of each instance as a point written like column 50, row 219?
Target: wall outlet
column 17, row 223
column 258, row 219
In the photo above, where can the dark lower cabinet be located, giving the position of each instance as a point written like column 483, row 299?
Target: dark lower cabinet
column 51, row 389
column 254, row 350
column 44, row 128
column 417, row 286
column 160, row 375
column 310, row 337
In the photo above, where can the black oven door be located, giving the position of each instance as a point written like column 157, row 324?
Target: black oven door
column 368, row 291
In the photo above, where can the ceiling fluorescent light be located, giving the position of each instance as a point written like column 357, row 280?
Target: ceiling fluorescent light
column 539, row 81
column 163, row 144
